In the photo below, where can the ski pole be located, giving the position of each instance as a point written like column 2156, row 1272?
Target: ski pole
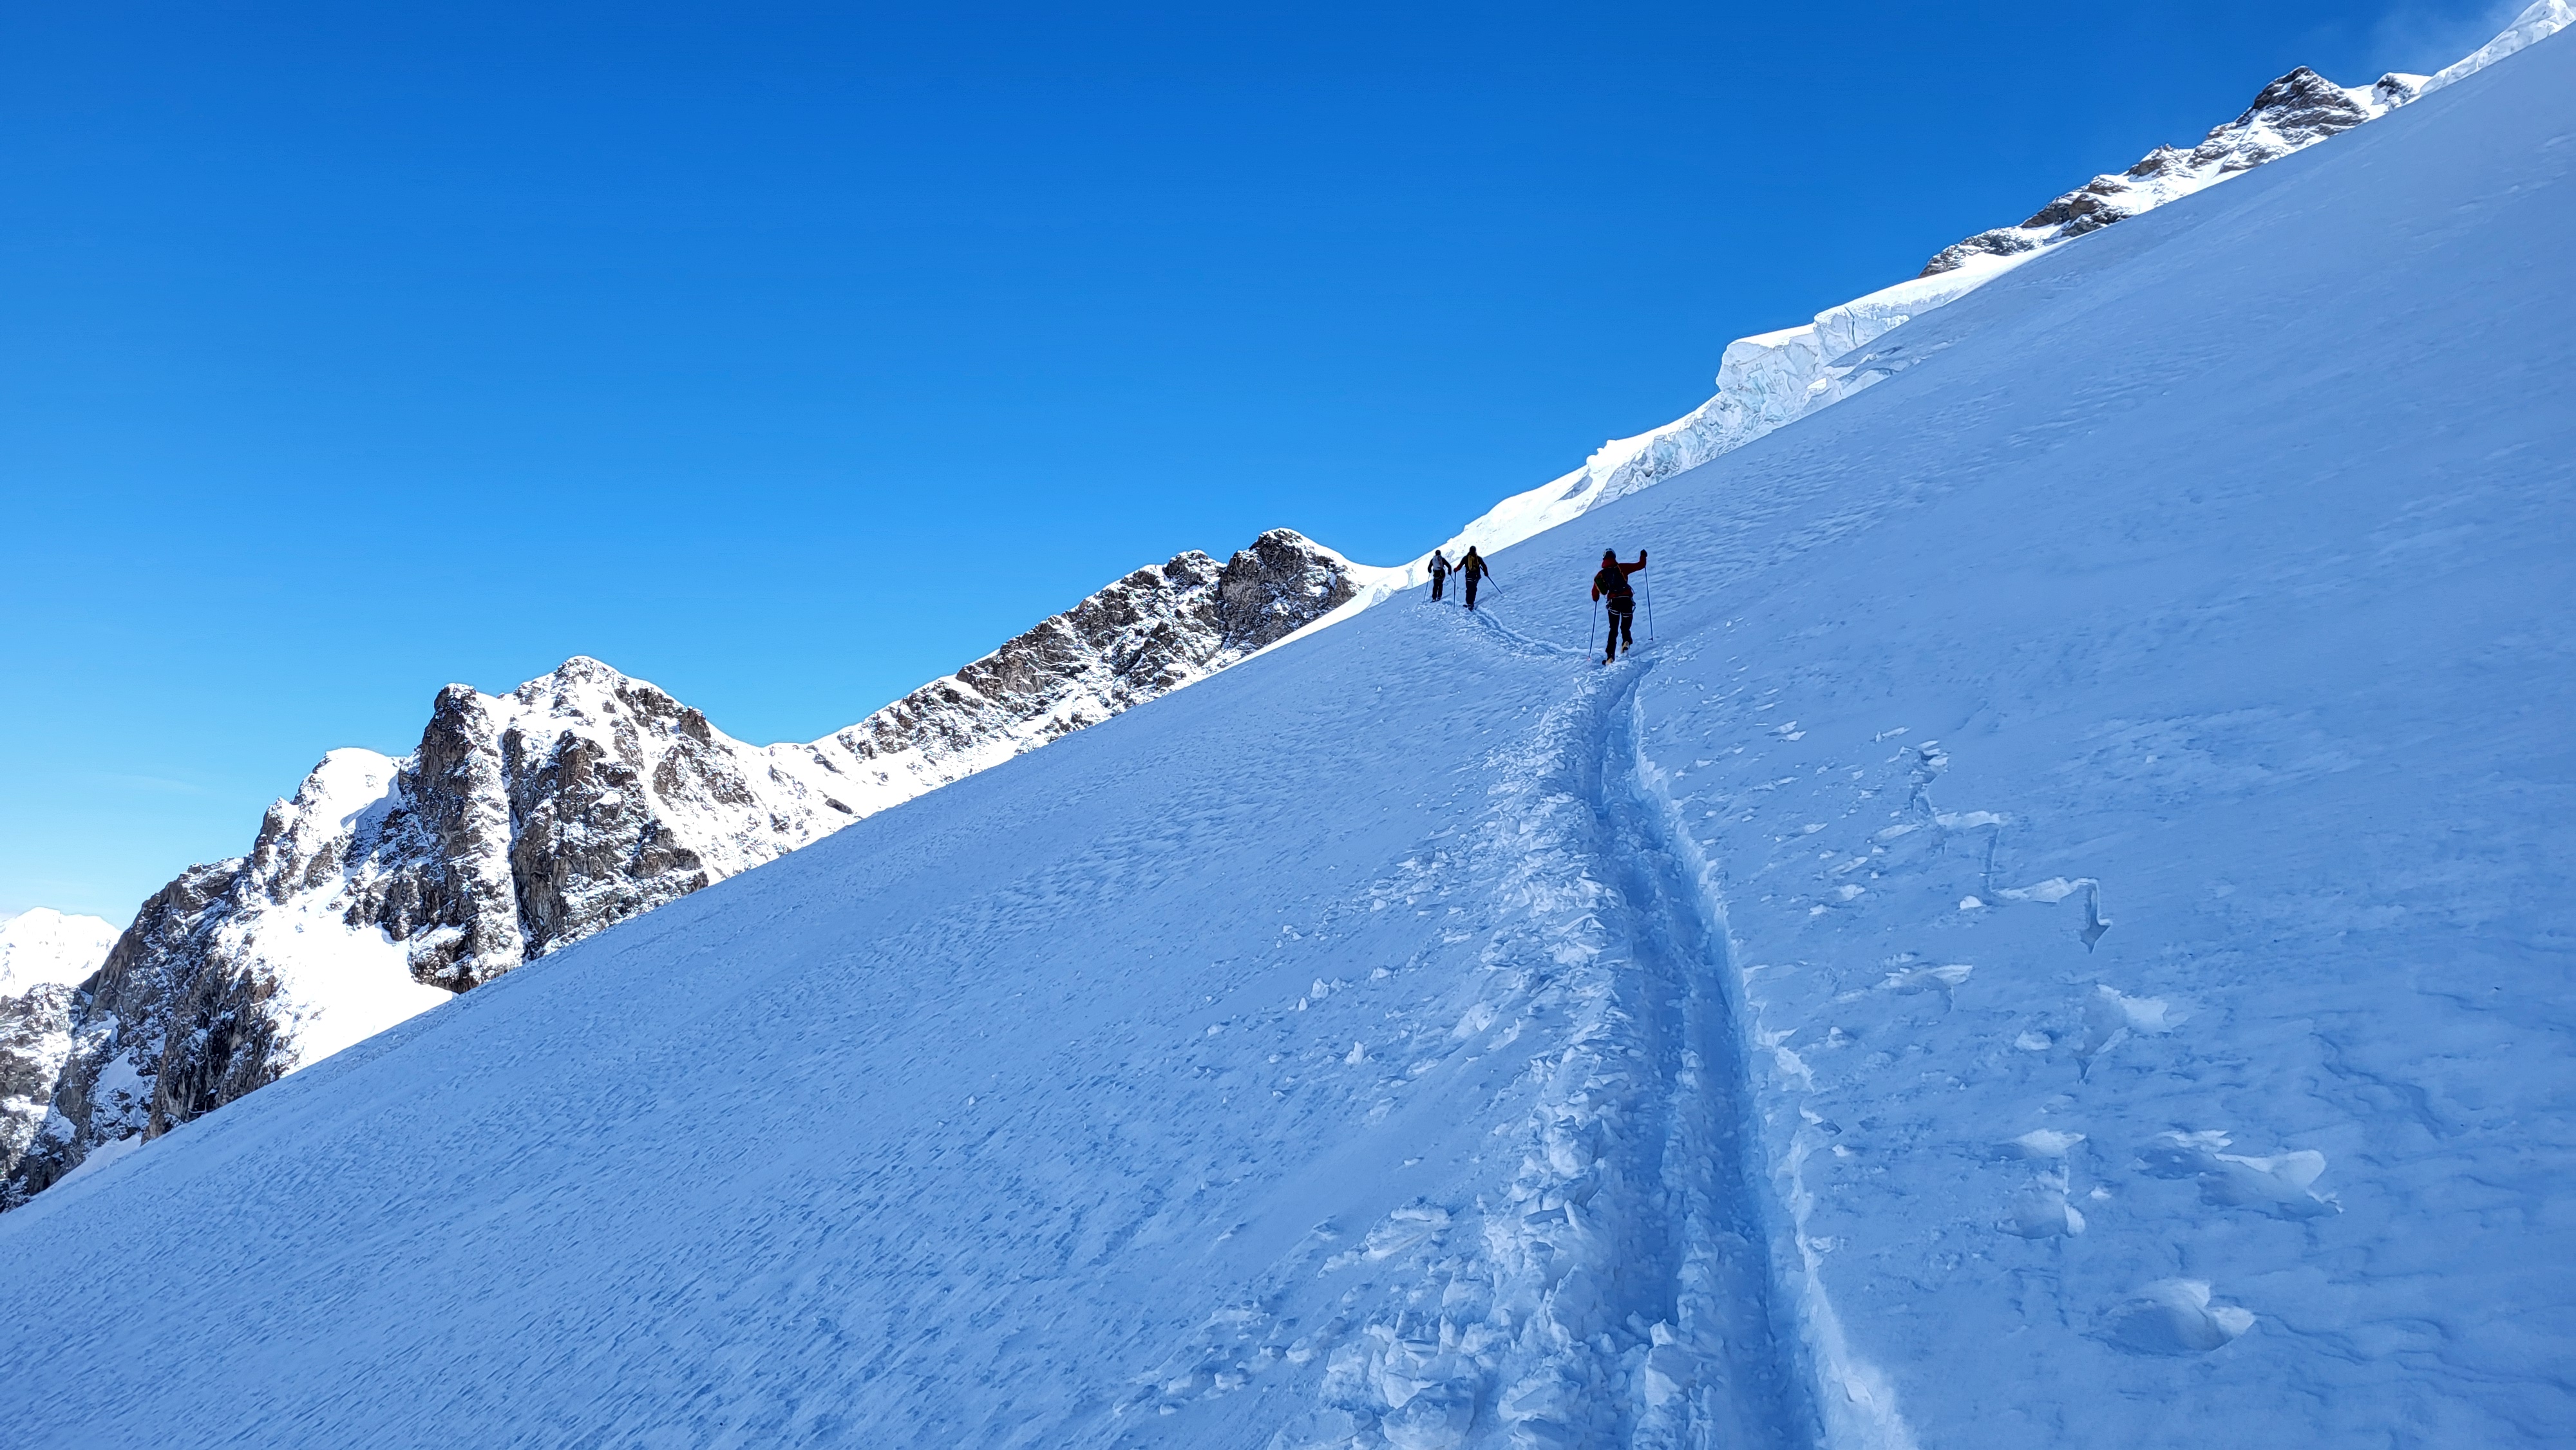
column 1593, row 638
column 1650, row 609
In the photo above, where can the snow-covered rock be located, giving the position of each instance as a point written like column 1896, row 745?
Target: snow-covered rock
column 525, row 822
column 44, row 954
column 2298, row 110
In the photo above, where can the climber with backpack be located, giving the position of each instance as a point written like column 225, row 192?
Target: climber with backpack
column 1611, row 585
column 1471, row 569
column 1439, row 567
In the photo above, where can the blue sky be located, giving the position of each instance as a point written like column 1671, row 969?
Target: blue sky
column 791, row 356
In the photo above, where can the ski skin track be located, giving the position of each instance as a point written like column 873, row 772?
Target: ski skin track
column 1838, row 1401
column 1727, row 1287
column 1743, row 1298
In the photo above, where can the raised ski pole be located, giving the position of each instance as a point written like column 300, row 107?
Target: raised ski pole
column 1650, row 609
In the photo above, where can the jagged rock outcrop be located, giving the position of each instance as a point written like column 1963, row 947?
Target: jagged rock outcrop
column 2298, row 110
column 1146, row 635
column 530, row 820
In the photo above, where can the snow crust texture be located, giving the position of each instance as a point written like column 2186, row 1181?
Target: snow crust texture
column 528, row 821
column 2050, row 944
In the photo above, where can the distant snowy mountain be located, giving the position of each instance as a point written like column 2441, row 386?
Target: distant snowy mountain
column 2059, row 943
column 43, row 956
column 1767, row 381
column 528, row 821
column 44, row 947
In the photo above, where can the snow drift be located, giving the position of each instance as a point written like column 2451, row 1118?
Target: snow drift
column 2052, row 945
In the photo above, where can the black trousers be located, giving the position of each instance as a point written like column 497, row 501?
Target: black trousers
column 1438, row 578
column 1471, row 590
column 1623, row 624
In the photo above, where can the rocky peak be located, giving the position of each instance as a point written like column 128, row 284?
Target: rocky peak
column 2296, row 111
column 526, row 821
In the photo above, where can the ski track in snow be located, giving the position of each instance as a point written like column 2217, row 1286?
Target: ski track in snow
column 1620, row 1287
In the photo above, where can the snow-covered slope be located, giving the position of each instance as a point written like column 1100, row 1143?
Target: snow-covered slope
column 528, row 821
column 442, row 908
column 1773, row 379
column 2055, row 945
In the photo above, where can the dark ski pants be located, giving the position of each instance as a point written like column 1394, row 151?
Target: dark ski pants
column 1471, row 591
column 1437, row 579
column 1623, row 627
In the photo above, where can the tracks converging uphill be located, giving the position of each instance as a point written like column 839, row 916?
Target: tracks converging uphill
column 1632, row 1267
column 1608, row 1269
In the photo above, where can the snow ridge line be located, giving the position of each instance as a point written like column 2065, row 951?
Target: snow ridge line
column 1731, row 1371
column 1851, row 1402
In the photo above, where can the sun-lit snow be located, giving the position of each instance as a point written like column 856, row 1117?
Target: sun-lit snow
column 42, row 946
column 1771, row 379
column 2543, row 19
column 2052, row 943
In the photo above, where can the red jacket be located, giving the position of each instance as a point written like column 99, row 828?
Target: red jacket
column 1613, row 579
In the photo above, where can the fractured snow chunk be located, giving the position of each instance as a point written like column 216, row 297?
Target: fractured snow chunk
column 2283, row 1185
column 2041, row 1211
column 2045, row 1143
column 2111, row 1019
column 2174, row 1317
column 1928, row 979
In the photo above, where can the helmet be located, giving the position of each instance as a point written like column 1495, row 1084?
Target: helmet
column 1609, row 556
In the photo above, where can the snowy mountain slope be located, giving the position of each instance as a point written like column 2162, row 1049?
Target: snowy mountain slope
column 528, row 821
column 2052, row 946
column 1767, row 381
column 43, row 956
column 1150, row 633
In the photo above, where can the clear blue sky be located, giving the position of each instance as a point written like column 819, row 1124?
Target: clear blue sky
column 789, row 356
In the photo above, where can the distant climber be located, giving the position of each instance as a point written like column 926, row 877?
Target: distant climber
column 1439, row 567
column 1611, row 583
column 1471, row 569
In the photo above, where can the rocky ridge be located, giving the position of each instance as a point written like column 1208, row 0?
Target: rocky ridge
column 2296, row 111
column 530, row 820
column 1773, row 379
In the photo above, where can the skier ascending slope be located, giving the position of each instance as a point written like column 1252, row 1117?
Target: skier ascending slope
column 1471, row 569
column 1611, row 583
column 1439, row 567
